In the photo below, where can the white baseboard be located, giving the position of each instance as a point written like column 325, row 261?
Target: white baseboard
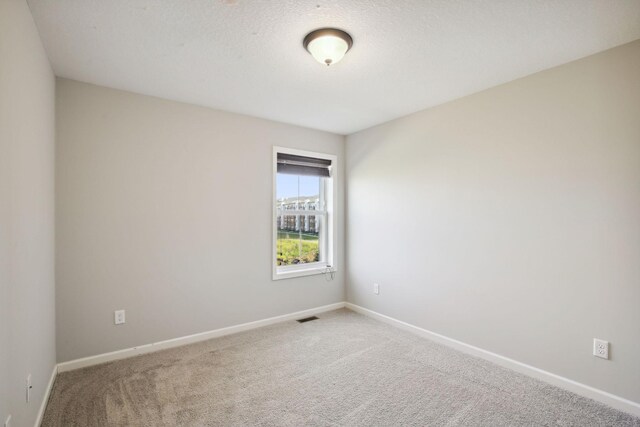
column 45, row 398
column 562, row 382
column 565, row 383
column 189, row 339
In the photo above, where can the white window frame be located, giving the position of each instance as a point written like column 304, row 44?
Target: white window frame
column 329, row 235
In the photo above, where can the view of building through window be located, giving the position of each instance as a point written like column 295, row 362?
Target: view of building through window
column 299, row 221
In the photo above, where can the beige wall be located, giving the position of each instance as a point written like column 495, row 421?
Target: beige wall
column 164, row 210
column 27, row 334
column 510, row 219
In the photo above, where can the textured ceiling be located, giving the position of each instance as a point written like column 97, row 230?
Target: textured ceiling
column 246, row 56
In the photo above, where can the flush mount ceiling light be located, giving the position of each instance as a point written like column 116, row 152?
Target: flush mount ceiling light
column 327, row 45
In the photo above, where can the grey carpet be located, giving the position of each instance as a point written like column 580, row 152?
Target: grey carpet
column 341, row 370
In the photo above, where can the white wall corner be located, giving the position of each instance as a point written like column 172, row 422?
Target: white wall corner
column 45, row 398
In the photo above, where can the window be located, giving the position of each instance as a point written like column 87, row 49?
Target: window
column 303, row 206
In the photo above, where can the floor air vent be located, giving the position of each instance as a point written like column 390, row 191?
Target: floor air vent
column 307, row 319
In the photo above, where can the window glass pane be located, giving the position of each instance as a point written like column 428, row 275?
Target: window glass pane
column 287, row 191
column 309, row 192
column 300, row 245
column 288, row 247
column 309, row 236
column 298, row 192
column 298, row 240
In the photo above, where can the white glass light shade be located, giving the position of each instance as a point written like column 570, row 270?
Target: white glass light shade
column 328, row 49
column 328, row 45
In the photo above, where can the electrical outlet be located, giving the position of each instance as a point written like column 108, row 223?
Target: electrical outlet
column 118, row 317
column 29, row 387
column 7, row 422
column 376, row 289
column 600, row 348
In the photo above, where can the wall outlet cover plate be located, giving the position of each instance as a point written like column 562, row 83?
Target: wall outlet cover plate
column 600, row 348
column 118, row 317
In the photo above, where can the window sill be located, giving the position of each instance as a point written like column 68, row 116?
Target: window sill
column 309, row 271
